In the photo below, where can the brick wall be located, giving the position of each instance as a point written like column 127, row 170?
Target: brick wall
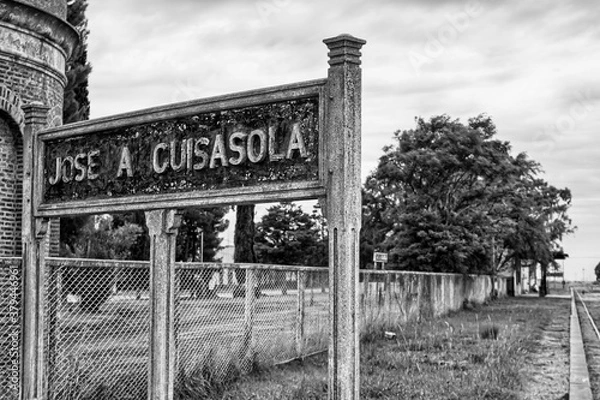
column 24, row 79
column 11, row 189
column 57, row 8
column 34, row 44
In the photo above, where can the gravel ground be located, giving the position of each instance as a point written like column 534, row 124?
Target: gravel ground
column 547, row 369
column 591, row 342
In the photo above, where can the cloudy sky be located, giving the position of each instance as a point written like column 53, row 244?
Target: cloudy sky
column 534, row 67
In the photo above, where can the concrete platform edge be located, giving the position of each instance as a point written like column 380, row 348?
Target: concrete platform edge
column 579, row 378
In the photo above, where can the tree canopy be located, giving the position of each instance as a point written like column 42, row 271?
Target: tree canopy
column 289, row 236
column 450, row 197
column 76, row 104
column 76, row 107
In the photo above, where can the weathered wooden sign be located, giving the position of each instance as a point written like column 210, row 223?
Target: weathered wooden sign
column 293, row 142
column 247, row 147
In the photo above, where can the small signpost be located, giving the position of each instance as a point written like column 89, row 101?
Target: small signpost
column 292, row 142
column 380, row 258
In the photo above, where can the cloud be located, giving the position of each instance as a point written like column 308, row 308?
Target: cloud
column 527, row 64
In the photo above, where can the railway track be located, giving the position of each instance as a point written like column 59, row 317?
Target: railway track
column 587, row 301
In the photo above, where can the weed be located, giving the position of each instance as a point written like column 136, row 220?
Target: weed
column 205, row 379
column 309, row 389
column 489, row 332
column 462, row 356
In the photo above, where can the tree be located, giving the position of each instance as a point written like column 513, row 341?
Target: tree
column 76, row 104
column 198, row 240
column 76, row 107
column 541, row 221
column 289, row 236
column 97, row 239
column 597, row 271
column 243, row 243
column 198, row 237
column 374, row 226
column 450, row 197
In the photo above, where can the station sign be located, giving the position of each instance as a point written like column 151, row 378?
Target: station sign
column 249, row 147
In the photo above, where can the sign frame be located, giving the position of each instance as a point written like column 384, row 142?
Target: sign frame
column 337, row 187
column 263, row 193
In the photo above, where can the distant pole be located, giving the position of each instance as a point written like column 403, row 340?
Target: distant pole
column 202, row 246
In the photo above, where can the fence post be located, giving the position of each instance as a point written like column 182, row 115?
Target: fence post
column 343, row 209
column 301, row 279
column 387, row 289
column 162, row 228
column 366, row 277
column 55, row 300
column 249, row 314
column 34, row 252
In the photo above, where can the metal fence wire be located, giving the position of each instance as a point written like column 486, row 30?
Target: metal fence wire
column 228, row 319
column 98, row 322
column 10, row 327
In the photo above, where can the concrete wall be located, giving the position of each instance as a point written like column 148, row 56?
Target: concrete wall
column 392, row 298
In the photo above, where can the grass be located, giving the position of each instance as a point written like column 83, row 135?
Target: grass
column 480, row 353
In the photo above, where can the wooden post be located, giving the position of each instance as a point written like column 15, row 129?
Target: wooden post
column 387, row 289
column 342, row 175
column 249, row 313
column 54, row 305
column 34, row 251
column 162, row 227
column 300, row 314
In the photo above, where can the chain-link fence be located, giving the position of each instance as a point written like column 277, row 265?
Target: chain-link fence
column 231, row 318
column 228, row 318
column 98, row 322
column 10, row 327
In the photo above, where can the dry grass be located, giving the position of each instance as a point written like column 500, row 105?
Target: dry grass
column 483, row 353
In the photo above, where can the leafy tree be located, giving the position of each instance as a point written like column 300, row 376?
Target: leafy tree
column 450, row 197
column 76, row 107
column 198, row 237
column 541, row 221
column 100, row 240
column 243, row 243
column 289, row 236
column 597, row 271
column 198, row 240
column 141, row 249
column 374, row 226
column 76, row 104
column 97, row 239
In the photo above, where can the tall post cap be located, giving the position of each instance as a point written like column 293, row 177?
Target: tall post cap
column 344, row 48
